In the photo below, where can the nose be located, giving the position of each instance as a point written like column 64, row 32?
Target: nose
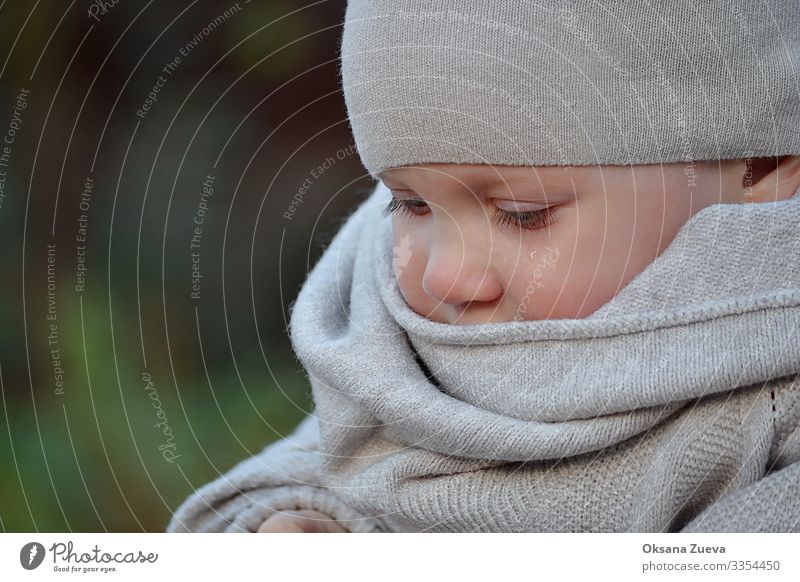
column 459, row 268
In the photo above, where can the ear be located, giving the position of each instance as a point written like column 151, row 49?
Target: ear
column 771, row 179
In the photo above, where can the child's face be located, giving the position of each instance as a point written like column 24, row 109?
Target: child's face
column 482, row 243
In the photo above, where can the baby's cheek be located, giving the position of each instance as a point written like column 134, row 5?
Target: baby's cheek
column 535, row 288
column 564, row 277
column 601, row 266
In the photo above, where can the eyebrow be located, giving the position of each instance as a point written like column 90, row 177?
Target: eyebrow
column 492, row 185
column 396, row 177
column 478, row 182
column 387, row 179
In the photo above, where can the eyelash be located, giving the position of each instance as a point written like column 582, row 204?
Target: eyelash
column 528, row 220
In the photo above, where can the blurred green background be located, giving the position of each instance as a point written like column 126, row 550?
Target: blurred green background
column 125, row 387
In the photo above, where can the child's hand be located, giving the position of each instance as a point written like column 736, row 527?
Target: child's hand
column 301, row 521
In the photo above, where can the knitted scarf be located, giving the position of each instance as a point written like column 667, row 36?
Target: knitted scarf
column 652, row 414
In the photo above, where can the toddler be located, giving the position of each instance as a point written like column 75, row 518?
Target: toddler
column 582, row 311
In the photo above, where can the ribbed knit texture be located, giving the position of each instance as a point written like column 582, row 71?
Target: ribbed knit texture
column 571, row 83
column 674, row 407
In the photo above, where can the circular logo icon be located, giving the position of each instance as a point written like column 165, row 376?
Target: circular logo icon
column 31, row 555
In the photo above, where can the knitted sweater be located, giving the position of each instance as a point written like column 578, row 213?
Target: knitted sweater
column 674, row 407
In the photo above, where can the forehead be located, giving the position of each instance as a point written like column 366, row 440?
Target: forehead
column 478, row 174
column 490, row 178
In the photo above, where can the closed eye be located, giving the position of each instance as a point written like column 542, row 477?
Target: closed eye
column 410, row 206
column 528, row 219
column 524, row 219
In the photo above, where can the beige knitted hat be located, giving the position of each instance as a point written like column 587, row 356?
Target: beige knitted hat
column 520, row 82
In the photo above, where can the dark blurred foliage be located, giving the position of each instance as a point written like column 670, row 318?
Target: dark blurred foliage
column 161, row 391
